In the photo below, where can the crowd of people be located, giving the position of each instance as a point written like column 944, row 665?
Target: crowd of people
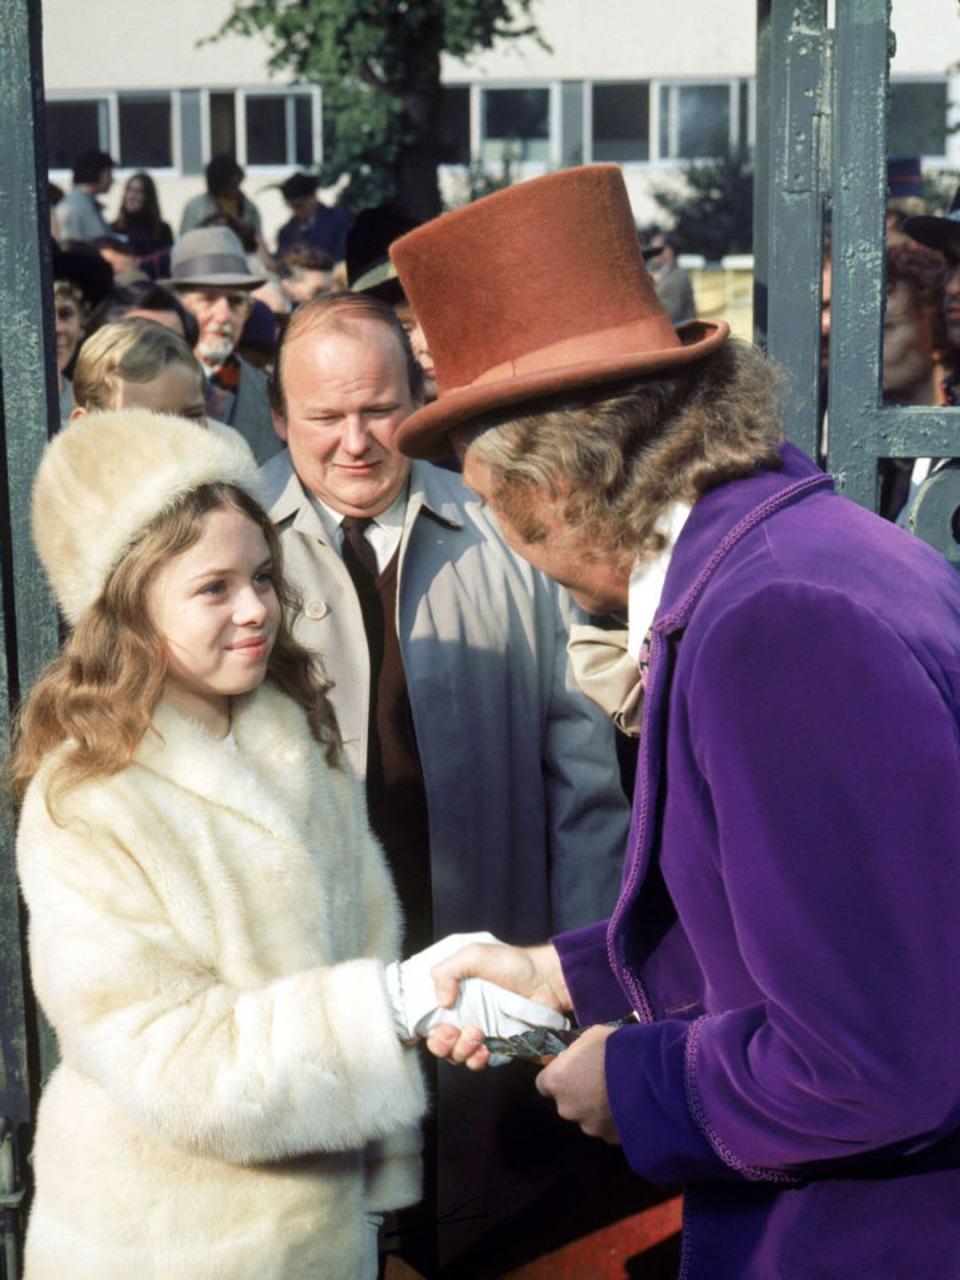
column 387, row 587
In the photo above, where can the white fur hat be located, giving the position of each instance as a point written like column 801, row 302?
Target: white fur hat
column 103, row 478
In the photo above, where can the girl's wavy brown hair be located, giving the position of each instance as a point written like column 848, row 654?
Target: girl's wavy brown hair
column 99, row 695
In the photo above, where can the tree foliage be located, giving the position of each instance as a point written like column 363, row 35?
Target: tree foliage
column 712, row 213
column 378, row 64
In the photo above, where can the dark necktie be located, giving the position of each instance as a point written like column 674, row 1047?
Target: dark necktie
column 358, row 555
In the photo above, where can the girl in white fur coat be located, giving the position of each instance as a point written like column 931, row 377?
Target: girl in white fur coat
column 209, row 915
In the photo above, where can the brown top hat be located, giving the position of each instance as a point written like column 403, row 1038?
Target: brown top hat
column 536, row 290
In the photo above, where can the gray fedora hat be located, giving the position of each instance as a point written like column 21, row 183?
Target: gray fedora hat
column 210, row 258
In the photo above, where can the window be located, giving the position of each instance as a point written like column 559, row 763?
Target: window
column 917, row 118
column 223, row 124
column 279, row 129
column 303, row 130
column 454, row 142
column 146, row 131
column 694, row 121
column 75, row 125
column 516, row 122
column 266, row 130
column 745, row 123
column 621, row 122
column 274, row 130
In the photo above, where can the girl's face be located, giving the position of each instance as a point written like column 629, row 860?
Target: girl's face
column 135, row 196
column 216, row 611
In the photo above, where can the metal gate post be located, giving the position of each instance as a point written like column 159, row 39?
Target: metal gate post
column 862, row 429
column 859, row 201
column 793, row 48
column 761, row 178
column 28, row 410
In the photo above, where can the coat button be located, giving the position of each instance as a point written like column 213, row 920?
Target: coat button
column 316, row 609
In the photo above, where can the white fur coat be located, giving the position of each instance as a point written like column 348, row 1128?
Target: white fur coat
column 206, row 937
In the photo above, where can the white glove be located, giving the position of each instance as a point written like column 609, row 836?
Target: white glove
column 480, row 1003
column 496, row 1010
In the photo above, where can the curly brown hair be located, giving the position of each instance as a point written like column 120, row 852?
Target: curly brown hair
column 617, row 457
column 99, row 695
column 924, row 273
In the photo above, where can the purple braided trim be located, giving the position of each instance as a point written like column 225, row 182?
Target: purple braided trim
column 758, row 514
column 755, row 1173
column 686, row 1244
column 638, row 997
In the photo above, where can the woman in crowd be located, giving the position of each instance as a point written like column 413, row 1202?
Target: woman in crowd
column 210, row 916
column 139, row 217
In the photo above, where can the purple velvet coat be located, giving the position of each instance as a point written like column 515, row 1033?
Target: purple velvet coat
column 788, row 929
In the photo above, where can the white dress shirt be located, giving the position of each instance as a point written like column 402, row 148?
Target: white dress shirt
column 383, row 533
column 648, row 577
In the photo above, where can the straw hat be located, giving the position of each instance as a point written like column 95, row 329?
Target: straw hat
column 103, row 478
column 536, row 290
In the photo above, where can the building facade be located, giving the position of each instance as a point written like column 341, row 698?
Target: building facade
column 649, row 85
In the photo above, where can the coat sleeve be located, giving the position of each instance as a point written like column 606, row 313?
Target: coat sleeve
column 307, row 1062
column 596, row 994
column 829, row 762
column 587, row 813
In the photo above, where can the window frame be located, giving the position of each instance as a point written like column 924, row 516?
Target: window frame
column 588, row 88
column 112, row 143
column 674, row 85
column 478, row 139
column 289, row 92
column 171, row 170
column 950, row 155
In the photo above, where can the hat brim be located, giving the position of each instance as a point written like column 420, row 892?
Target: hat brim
column 423, row 434
column 381, row 281
column 934, row 232
column 214, row 282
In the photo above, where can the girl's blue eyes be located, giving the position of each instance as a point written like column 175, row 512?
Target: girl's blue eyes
column 217, row 587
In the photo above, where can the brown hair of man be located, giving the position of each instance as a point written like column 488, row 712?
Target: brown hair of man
column 336, row 313
column 304, row 257
column 618, row 456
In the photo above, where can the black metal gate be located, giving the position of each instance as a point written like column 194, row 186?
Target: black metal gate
column 821, row 139
column 28, row 409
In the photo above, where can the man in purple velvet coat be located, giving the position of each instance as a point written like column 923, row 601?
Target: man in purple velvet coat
column 787, row 939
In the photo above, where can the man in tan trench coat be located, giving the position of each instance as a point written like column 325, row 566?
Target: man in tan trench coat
column 491, row 781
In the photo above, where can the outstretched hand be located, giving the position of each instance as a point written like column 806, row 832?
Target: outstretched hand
column 532, row 972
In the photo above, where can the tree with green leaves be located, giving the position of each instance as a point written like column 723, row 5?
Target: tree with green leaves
column 712, row 213
column 378, row 64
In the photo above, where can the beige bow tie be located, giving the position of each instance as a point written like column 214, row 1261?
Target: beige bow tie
column 608, row 674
